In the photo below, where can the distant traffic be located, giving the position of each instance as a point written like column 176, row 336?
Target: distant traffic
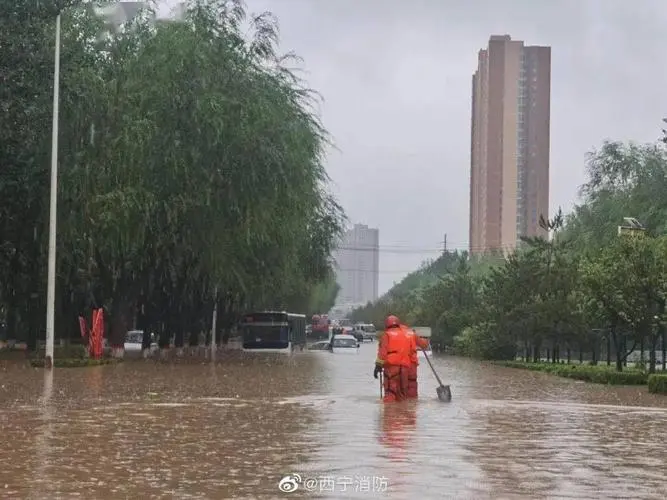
column 282, row 331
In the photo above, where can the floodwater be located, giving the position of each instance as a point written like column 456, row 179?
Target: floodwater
column 146, row 429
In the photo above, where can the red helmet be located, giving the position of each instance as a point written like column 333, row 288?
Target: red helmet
column 392, row 321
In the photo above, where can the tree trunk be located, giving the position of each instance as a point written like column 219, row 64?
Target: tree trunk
column 12, row 320
column 33, row 323
column 179, row 325
column 608, row 349
column 120, row 318
column 618, row 346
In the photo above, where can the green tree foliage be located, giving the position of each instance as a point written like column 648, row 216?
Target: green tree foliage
column 191, row 161
column 423, row 297
column 583, row 290
column 323, row 296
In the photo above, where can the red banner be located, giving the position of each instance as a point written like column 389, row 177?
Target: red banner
column 83, row 327
column 95, row 340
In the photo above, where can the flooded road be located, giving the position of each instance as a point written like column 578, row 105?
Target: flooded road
column 144, row 429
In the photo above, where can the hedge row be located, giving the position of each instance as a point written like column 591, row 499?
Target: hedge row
column 600, row 374
column 74, row 362
column 657, row 383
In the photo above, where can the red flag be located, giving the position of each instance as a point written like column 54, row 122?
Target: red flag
column 95, row 344
column 91, row 337
column 83, row 327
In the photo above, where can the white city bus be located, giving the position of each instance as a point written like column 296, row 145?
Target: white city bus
column 273, row 331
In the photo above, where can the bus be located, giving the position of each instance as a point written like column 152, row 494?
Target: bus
column 273, row 331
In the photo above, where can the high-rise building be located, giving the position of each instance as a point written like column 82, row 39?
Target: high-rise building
column 357, row 266
column 509, row 164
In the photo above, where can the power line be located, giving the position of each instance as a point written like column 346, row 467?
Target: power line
column 380, row 271
column 422, row 250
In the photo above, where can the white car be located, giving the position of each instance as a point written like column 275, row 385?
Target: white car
column 344, row 344
column 134, row 339
column 322, row 345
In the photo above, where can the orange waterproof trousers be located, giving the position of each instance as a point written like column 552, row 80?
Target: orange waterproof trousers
column 412, row 388
column 395, row 383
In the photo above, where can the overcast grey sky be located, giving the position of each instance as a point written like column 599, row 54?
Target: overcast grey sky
column 396, row 79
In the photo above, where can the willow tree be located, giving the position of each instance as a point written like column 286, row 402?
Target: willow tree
column 192, row 171
column 624, row 180
column 26, row 66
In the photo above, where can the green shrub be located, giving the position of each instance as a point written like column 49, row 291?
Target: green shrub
column 657, row 384
column 72, row 351
column 587, row 373
column 481, row 342
column 74, row 362
column 75, row 351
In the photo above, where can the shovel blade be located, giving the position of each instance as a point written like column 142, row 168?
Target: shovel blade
column 444, row 393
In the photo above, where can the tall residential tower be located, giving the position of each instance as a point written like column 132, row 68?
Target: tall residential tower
column 509, row 165
column 357, row 266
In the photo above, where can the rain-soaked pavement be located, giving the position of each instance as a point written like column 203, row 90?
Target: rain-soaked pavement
column 145, row 429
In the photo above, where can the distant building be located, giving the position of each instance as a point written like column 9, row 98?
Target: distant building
column 357, row 266
column 509, row 167
column 179, row 11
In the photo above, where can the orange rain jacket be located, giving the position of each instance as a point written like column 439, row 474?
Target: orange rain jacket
column 419, row 343
column 396, row 347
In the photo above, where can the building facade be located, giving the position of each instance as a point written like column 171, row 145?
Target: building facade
column 357, row 266
column 509, row 157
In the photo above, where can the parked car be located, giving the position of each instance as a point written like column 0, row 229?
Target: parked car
column 134, row 341
column 364, row 332
column 344, row 344
column 322, row 345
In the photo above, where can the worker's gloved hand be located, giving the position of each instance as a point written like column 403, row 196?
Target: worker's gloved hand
column 378, row 370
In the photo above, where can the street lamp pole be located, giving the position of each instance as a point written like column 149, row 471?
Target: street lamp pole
column 53, row 214
column 114, row 14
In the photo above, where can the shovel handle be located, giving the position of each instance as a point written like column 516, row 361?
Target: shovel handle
column 432, row 369
column 381, row 384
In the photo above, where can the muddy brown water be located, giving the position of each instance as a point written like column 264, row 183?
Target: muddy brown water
column 233, row 429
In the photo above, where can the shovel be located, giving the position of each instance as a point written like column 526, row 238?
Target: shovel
column 444, row 392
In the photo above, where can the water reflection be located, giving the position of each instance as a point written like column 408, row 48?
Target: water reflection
column 147, row 429
column 193, row 428
column 398, row 423
column 512, row 448
column 43, row 450
column 95, row 379
column 580, row 451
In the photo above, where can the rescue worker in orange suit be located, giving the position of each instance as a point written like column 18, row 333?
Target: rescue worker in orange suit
column 419, row 343
column 393, row 360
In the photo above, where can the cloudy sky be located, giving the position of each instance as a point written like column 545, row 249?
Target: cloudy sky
column 396, row 79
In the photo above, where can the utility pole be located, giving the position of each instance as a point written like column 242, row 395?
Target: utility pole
column 214, row 324
column 444, row 244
